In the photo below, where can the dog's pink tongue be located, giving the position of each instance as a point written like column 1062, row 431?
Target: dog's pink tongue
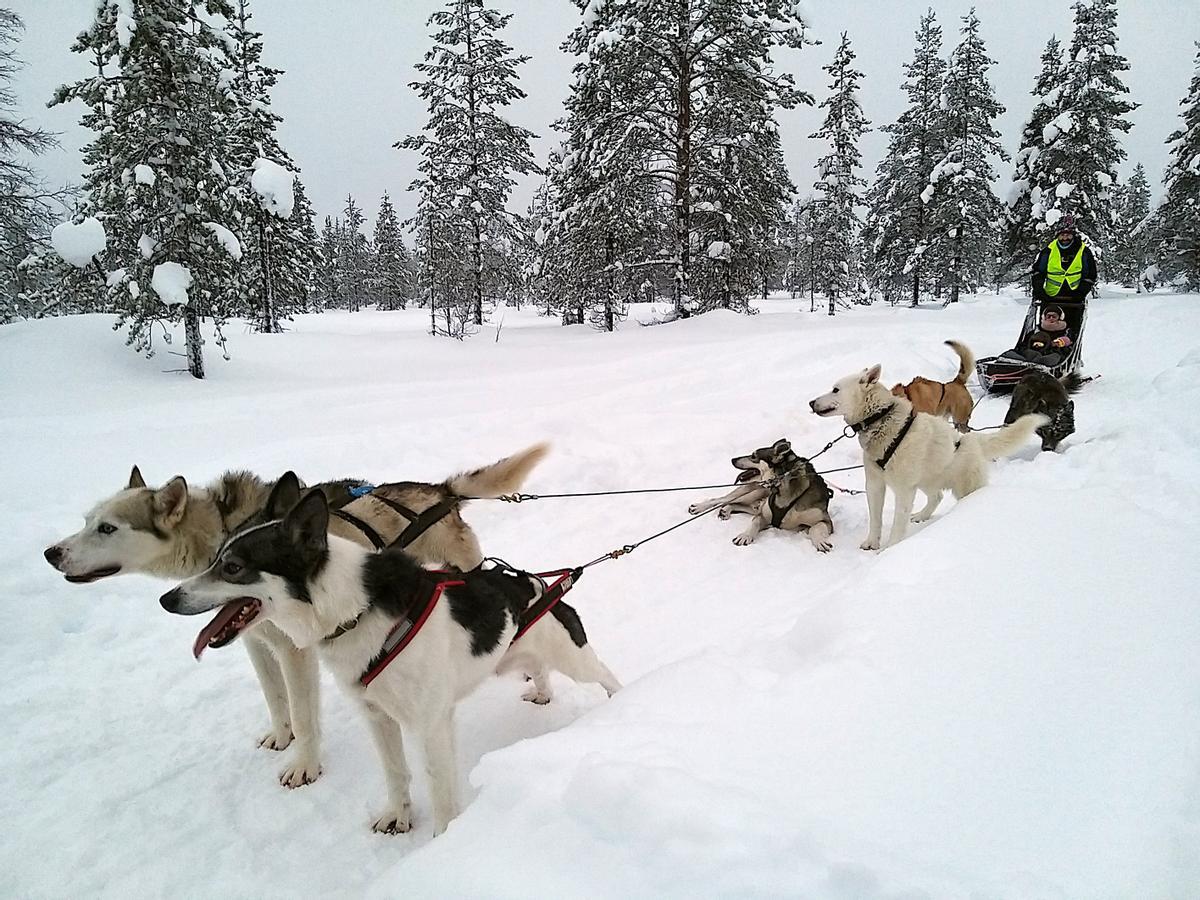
column 213, row 628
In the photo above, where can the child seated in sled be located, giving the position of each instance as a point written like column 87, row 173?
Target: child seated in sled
column 1048, row 344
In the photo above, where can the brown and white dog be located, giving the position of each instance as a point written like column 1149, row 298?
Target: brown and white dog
column 944, row 398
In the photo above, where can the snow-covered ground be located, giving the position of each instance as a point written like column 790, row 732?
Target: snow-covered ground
column 1007, row 704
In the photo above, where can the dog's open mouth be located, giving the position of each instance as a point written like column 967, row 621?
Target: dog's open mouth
column 233, row 618
column 94, row 575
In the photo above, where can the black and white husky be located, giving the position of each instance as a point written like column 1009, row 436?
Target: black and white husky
column 354, row 606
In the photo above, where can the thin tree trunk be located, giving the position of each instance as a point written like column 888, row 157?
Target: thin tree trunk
column 683, row 162
column 193, row 341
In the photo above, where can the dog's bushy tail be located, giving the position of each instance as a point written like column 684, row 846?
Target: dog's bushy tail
column 966, row 361
column 502, row 477
column 1071, row 381
column 1011, row 438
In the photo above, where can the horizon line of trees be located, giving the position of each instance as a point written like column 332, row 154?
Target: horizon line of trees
column 669, row 182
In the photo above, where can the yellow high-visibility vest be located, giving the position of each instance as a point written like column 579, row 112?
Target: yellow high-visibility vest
column 1056, row 275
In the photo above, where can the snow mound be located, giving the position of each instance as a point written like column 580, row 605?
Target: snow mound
column 273, row 184
column 78, row 244
column 171, row 281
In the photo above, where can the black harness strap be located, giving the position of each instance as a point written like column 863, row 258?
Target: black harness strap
column 870, row 420
column 779, row 513
column 564, row 580
column 371, row 534
column 892, row 447
column 422, row 522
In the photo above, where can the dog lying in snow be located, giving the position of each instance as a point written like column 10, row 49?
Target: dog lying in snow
column 910, row 451
column 175, row 531
column 949, row 398
column 337, row 596
column 779, row 490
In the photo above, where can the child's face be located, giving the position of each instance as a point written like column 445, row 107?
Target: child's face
column 1050, row 319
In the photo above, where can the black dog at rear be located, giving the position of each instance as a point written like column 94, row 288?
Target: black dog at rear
column 1041, row 392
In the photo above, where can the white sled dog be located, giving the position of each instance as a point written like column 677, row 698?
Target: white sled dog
column 404, row 642
column 909, row 451
column 175, row 531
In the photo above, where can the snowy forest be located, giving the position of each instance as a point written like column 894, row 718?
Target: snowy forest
column 667, row 181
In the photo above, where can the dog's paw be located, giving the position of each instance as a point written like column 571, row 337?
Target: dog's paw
column 300, row 773
column 724, row 512
column 276, row 739
column 918, row 519
column 393, row 821
column 743, row 540
column 823, row 546
column 870, row 544
column 695, row 509
column 533, row 695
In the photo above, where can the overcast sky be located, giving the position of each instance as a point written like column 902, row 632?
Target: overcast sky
column 345, row 98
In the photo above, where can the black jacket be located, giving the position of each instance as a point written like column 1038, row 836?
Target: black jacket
column 1087, row 278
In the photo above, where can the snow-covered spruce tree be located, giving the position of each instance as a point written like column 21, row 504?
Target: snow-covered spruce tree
column 604, row 199
column 328, row 278
column 354, row 257
column 962, row 207
column 155, row 177
column 1131, row 251
column 1077, row 167
column 1024, row 233
column 305, row 250
column 275, row 269
column 1179, row 227
column 669, row 66
column 388, row 282
column 740, row 196
column 470, row 77
column 897, row 231
column 24, row 199
column 838, row 184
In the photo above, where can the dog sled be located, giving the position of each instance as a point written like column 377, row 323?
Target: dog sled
column 1000, row 374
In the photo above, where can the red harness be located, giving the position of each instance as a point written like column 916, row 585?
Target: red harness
column 403, row 633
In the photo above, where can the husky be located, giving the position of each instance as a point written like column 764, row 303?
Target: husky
column 175, row 532
column 1041, row 392
column 779, row 490
column 335, row 595
column 944, row 398
column 911, row 451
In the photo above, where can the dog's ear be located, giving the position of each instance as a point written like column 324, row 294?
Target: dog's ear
column 308, row 522
column 135, row 479
column 284, row 495
column 871, row 375
column 783, row 445
column 170, row 502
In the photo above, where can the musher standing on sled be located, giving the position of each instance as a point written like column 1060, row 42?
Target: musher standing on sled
column 1065, row 271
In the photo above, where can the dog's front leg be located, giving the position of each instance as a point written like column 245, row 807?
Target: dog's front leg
column 903, row 496
column 442, row 766
column 713, row 502
column 389, row 742
column 270, row 679
column 303, row 680
column 875, row 489
column 751, row 532
column 730, row 509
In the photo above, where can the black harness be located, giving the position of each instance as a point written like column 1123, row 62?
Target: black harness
column 879, row 416
column 418, row 523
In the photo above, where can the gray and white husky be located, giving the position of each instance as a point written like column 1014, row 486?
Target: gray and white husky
column 328, row 593
column 909, row 451
column 175, row 531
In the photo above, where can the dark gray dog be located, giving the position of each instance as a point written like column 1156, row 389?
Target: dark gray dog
column 778, row 489
column 1041, row 392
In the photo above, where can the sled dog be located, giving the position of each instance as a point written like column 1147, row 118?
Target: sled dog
column 1041, row 392
column 948, row 398
column 786, row 492
column 175, row 531
column 910, row 451
column 328, row 593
